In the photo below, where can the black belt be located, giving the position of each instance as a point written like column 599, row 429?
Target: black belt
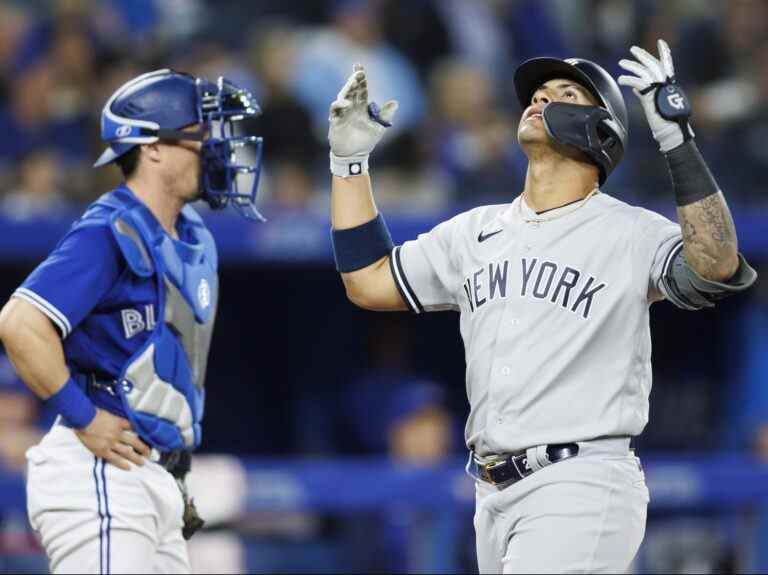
column 108, row 385
column 510, row 468
column 169, row 459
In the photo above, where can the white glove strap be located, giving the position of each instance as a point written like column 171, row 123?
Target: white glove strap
column 346, row 166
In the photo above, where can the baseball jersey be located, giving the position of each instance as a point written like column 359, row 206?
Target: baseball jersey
column 554, row 315
column 103, row 311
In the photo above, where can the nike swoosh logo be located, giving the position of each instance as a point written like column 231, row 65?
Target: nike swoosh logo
column 481, row 238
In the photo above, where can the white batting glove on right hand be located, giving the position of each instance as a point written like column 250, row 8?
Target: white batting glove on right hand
column 356, row 126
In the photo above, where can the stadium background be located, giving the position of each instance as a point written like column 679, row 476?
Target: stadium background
column 333, row 435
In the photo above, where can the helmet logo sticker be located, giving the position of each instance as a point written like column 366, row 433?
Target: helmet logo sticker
column 122, row 131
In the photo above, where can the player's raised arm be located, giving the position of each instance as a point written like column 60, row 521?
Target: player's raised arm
column 709, row 236
column 361, row 241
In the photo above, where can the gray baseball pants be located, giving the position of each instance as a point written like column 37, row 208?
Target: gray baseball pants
column 585, row 514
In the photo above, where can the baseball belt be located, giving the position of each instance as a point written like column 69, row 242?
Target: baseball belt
column 510, row 468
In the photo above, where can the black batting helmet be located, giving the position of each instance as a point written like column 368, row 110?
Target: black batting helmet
column 599, row 132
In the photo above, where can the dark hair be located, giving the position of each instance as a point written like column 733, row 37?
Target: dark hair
column 129, row 161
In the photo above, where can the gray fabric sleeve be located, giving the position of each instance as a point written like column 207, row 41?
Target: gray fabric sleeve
column 425, row 272
column 688, row 290
column 656, row 241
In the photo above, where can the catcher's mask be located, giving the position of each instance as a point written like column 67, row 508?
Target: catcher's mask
column 600, row 132
column 157, row 105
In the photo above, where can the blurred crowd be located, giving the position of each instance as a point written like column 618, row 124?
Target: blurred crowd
column 450, row 65
column 448, row 62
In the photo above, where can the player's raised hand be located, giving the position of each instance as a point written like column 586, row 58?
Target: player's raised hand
column 111, row 438
column 664, row 102
column 356, row 125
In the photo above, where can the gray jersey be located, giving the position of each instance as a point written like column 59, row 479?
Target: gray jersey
column 554, row 315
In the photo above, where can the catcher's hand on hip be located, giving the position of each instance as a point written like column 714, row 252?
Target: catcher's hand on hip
column 356, row 125
column 110, row 437
column 664, row 102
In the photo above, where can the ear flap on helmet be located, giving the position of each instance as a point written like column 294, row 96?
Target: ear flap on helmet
column 588, row 129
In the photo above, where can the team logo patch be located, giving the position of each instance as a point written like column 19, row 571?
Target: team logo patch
column 122, row 131
column 204, row 293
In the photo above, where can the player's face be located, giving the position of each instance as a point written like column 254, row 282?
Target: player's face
column 531, row 129
column 182, row 163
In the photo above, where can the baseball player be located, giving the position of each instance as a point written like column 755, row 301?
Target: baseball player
column 553, row 291
column 113, row 328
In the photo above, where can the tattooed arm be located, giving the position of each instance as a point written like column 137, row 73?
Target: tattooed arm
column 709, row 238
column 710, row 267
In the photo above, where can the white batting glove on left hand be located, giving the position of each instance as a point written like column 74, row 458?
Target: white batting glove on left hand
column 356, row 126
column 664, row 103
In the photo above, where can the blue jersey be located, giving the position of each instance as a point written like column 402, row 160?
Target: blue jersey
column 104, row 311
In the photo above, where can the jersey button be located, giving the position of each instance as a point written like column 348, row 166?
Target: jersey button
column 505, row 370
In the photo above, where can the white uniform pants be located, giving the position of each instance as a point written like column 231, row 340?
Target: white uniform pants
column 93, row 517
column 585, row 514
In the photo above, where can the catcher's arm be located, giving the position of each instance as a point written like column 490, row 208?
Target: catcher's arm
column 35, row 350
column 34, row 347
column 709, row 236
column 361, row 242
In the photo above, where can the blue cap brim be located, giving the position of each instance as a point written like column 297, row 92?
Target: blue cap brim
column 112, row 153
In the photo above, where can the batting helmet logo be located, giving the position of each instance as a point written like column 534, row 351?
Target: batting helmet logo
column 122, row 131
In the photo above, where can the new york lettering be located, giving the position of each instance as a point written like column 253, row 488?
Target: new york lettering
column 564, row 286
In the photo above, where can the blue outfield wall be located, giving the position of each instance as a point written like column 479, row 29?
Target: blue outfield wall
column 299, row 237
column 676, row 483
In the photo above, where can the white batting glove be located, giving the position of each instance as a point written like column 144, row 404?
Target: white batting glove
column 663, row 101
column 356, row 126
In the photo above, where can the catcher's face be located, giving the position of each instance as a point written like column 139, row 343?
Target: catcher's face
column 182, row 166
column 531, row 129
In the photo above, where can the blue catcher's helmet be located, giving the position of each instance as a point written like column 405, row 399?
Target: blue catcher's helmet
column 157, row 105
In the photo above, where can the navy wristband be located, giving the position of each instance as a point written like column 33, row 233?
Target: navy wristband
column 691, row 178
column 73, row 405
column 358, row 247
